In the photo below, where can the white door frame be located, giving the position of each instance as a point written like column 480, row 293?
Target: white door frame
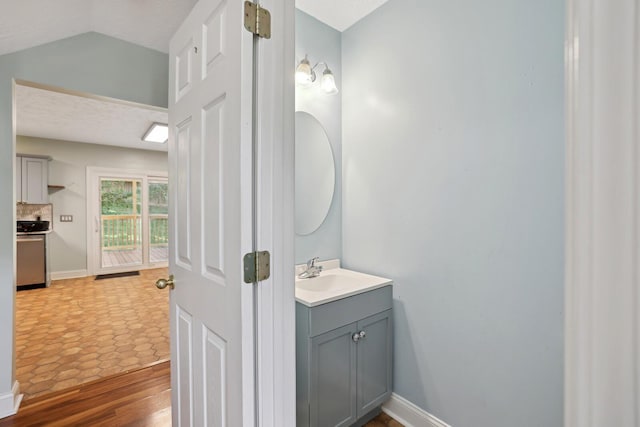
column 275, row 297
column 602, row 264
column 94, row 173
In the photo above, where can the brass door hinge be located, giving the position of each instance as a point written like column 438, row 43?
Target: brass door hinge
column 257, row 20
column 256, row 266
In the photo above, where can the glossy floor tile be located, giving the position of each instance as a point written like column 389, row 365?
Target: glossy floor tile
column 79, row 330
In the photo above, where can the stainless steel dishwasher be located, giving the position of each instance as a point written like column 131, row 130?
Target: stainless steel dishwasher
column 31, row 260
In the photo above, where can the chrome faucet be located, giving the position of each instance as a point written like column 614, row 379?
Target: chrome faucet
column 312, row 270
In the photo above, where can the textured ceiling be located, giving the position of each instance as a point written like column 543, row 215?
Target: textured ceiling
column 148, row 23
column 71, row 117
column 339, row 14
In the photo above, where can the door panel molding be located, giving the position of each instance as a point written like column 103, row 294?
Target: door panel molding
column 210, row 163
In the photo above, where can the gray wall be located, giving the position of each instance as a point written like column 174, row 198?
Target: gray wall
column 68, row 242
column 322, row 43
column 453, row 156
column 88, row 62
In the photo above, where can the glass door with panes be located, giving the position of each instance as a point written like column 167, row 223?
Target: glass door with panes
column 131, row 221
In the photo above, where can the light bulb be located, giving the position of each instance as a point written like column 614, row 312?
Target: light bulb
column 328, row 82
column 304, row 74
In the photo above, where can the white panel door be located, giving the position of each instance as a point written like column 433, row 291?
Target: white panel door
column 210, row 200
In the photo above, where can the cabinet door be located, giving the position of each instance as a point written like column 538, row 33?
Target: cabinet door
column 374, row 361
column 333, row 378
column 18, row 179
column 34, row 180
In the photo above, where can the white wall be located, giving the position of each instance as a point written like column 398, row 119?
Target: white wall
column 68, row 242
column 322, row 43
column 453, row 156
column 91, row 63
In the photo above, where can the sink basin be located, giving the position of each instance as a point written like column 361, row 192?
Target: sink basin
column 323, row 283
column 334, row 284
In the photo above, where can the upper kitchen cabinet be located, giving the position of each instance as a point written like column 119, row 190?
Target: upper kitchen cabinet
column 31, row 179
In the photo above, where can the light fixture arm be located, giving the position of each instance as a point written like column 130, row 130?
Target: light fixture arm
column 313, row 69
column 320, row 63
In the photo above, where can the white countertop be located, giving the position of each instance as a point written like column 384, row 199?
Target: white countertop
column 335, row 283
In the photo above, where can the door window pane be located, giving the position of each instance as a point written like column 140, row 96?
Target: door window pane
column 158, row 221
column 120, row 223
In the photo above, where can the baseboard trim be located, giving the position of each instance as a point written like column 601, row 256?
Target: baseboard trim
column 405, row 412
column 71, row 274
column 10, row 402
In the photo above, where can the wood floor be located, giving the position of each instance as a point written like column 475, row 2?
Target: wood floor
column 138, row 398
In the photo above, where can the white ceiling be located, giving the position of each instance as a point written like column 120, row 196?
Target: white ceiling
column 71, row 117
column 339, row 14
column 148, row 23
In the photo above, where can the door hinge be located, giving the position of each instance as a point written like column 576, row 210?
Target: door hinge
column 257, row 20
column 257, row 266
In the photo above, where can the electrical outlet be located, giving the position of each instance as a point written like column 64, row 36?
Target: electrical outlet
column 66, row 218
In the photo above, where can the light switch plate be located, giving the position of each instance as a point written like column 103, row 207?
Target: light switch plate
column 66, row 218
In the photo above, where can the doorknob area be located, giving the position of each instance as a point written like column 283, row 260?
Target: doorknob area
column 163, row 283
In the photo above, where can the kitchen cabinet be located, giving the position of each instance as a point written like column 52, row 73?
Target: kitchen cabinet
column 344, row 355
column 32, row 175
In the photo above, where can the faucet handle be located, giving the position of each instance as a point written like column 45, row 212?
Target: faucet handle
column 312, row 262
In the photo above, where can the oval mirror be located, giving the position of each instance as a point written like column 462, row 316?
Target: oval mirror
column 315, row 173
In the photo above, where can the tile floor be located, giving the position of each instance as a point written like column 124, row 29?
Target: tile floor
column 79, row 330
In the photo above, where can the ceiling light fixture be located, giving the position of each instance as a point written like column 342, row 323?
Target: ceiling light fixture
column 157, row 132
column 306, row 76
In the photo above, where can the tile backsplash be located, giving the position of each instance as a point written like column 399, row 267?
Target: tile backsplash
column 29, row 212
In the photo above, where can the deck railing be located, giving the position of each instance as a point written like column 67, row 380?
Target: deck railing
column 125, row 231
column 159, row 229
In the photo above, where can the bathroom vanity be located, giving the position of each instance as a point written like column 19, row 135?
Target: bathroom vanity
column 343, row 348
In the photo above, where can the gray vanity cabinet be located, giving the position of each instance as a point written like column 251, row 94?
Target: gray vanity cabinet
column 374, row 362
column 333, row 378
column 344, row 355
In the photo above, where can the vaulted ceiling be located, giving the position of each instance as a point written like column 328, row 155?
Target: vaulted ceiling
column 339, row 14
column 148, row 23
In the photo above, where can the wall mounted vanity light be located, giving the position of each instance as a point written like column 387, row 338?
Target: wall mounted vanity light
column 157, row 132
column 306, row 76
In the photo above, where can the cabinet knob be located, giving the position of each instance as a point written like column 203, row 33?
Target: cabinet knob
column 356, row 337
column 362, row 334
